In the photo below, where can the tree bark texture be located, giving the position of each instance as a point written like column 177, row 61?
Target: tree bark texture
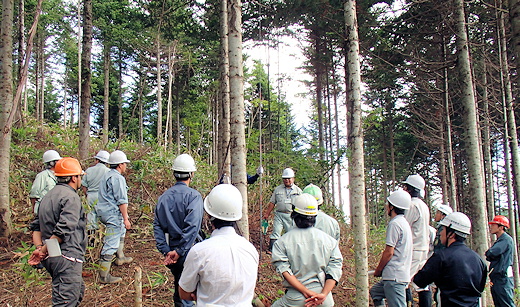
column 106, row 92
column 86, row 80
column 238, row 122
column 511, row 126
column 471, row 141
column 356, row 161
column 224, row 157
column 6, row 104
column 514, row 17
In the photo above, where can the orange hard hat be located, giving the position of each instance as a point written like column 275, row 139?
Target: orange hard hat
column 68, row 167
column 500, row 220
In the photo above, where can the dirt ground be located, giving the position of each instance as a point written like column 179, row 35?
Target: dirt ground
column 22, row 285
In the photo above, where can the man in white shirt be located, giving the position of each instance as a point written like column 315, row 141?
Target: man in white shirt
column 222, row 270
column 394, row 265
column 418, row 216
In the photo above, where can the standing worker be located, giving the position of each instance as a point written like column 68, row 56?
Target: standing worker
column 500, row 255
column 90, row 186
column 324, row 222
column 442, row 212
column 282, row 198
column 457, row 271
column 59, row 235
column 222, row 270
column 178, row 219
column 112, row 209
column 396, row 259
column 418, row 216
column 308, row 259
column 45, row 180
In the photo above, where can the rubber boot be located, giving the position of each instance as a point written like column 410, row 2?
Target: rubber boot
column 120, row 255
column 104, row 273
column 425, row 298
column 271, row 243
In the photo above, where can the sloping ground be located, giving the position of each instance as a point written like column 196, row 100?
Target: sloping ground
column 22, row 285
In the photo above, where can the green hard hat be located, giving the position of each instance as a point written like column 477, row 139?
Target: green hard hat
column 315, row 191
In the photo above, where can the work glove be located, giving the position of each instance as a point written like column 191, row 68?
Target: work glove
column 265, row 225
column 260, row 170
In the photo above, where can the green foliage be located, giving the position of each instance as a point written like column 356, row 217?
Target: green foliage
column 30, row 274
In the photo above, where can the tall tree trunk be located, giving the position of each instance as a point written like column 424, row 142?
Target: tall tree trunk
column 168, row 128
column 224, row 157
column 338, row 146
column 106, row 92
column 21, row 54
column 486, row 146
column 86, row 80
column 472, row 142
column 511, row 126
column 37, row 77
column 120, row 94
column 238, row 122
column 452, row 176
column 6, row 105
column 316, row 36
column 80, row 40
column 159, row 89
column 514, row 17
column 356, row 161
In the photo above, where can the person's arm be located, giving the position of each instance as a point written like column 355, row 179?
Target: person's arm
column 188, row 296
column 268, row 211
column 296, row 284
column 120, row 191
column 84, row 189
column 192, row 224
column 126, row 218
column 385, row 258
column 159, row 231
column 319, row 298
column 495, row 251
column 430, row 272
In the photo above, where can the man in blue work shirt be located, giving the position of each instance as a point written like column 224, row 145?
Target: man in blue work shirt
column 458, row 272
column 112, row 209
column 178, row 219
column 501, row 257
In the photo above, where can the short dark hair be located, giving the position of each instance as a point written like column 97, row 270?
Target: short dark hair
column 181, row 176
column 218, row 223
column 414, row 192
column 398, row 211
column 303, row 221
column 114, row 166
column 65, row 179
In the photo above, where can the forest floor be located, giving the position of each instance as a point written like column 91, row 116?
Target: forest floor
column 148, row 177
column 22, row 285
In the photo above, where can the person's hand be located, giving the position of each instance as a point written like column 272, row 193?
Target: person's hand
column 171, row 258
column 128, row 225
column 266, row 216
column 37, row 256
column 260, row 170
column 378, row 273
column 315, row 300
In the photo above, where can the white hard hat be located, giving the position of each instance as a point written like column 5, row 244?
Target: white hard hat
column 117, row 157
column 306, row 204
column 50, row 155
column 444, row 209
column 184, row 163
column 315, row 191
column 102, row 156
column 415, row 181
column 288, row 173
column 400, row 199
column 459, row 222
column 224, row 202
